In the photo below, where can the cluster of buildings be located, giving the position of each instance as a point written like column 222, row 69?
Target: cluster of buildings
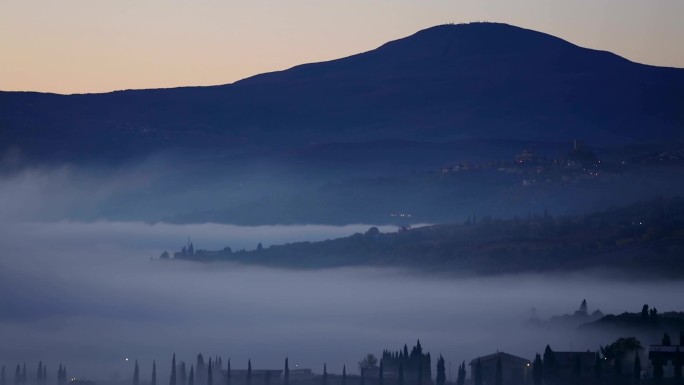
column 578, row 163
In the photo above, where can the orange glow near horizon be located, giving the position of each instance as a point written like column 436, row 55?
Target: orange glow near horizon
column 76, row 46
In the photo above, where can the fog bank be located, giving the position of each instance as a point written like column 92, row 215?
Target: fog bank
column 88, row 295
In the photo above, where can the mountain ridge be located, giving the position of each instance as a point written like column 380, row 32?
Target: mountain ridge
column 449, row 82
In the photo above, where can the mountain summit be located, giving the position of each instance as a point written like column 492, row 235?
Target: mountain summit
column 475, row 81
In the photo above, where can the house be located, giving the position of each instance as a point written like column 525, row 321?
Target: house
column 514, row 370
column 666, row 356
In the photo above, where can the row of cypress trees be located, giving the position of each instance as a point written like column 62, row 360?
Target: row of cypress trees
column 21, row 378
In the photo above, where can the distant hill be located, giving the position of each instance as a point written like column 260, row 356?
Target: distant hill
column 640, row 239
column 446, row 83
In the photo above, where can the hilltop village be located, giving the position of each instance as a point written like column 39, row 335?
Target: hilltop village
column 579, row 163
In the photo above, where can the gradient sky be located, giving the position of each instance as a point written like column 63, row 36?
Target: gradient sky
column 74, row 46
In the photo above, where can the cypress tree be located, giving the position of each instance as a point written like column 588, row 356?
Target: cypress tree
column 550, row 366
column 23, row 374
column 637, row 370
column 228, row 379
column 401, row 373
column 172, row 380
column 598, row 369
column 324, row 379
column 249, row 372
column 201, row 370
column 286, row 374
column 617, row 371
column 344, row 375
column 498, row 375
column 39, row 373
column 420, row 367
column 210, row 375
column 182, row 374
column 17, row 375
column 537, row 370
column 191, row 376
column 478, row 372
column 460, row 378
column 154, row 373
column 440, row 379
column 136, row 374
column 677, row 363
column 381, row 373
column 667, row 341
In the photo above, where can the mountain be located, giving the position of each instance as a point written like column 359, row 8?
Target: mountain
column 446, row 83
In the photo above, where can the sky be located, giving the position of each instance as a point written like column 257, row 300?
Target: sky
column 77, row 46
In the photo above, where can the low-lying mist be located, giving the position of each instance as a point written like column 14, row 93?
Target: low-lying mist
column 80, row 284
column 88, row 295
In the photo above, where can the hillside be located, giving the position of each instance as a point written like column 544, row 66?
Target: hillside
column 640, row 239
column 450, row 82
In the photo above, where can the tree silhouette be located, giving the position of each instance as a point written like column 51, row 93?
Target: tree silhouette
column 617, row 371
column 172, row 380
column 550, row 366
column 362, row 381
column 677, row 363
column 286, row 374
column 210, row 375
column 381, row 374
column 324, row 379
column 136, row 374
column 637, row 369
column 39, row 373
column 200, row 370
column 498, row 375
column 154, row 373
column 182, row 374
column 368, row 362
column 460, row 379
column 667, row 341
column 478, row 372
column 537, row 370
column 17, row 375
column 598, row 368
column 440, row 379
column 23, row 374
column 344, row 375
column 191, row 376
column 228, row 374
column 249, row 373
